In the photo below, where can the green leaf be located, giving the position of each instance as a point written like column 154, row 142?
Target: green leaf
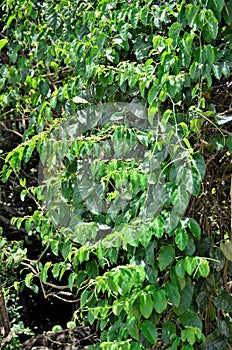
column 55, row 247
column 180, row 269
column 196, row 124
column 192, row 179
column 153, row 92
column 134, row 17
column 194, row 228
column 71, row 280
column 217, row 143
column 166, row 256
column 91, row 317
column 112, row 55
column 78, row 99
column 217, row 70
column 86, row 295
column 44, row 87
column 210, row 28
column 28, row 151
column 132, row 327
column 173, row 293
column 190, row 264
column 28, row 225
column 56, row 270
column 71, row 325
column 10, row 19
column 23, row 195
column 168, row 331
column 189, row 336
column 224, row 301
column 180, row 199
column 181, row 238
column 146, row 305
column 44, row 271
column 158, row 226
column 229, row 143
column 159, row 301
column 123, row 30
column 141, row 48
column 3, row 42
column 188, row 41
column 175, row 344
column 219, row 4
column 190, row 319
column 210, row 55
column 186, row 296
column 171, row 222
column 200, row 163
column 174, row 31
column 56, row 328
column 151, row 273
column 66, row 249
column 227, row 249
column 83, row 253
column 204, row 268
column 226, row 69
column 28, row 279
column 149, row 331
column 144, row 15
column 191, row 13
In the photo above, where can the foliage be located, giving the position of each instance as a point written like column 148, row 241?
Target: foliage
column 119, row 93
column 11, row 256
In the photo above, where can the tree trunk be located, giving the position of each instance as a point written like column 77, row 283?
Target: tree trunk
column 3, row 312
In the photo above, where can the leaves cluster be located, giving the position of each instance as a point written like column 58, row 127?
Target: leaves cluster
column 138, row 283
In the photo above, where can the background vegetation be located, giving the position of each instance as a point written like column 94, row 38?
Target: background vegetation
column 161, row 278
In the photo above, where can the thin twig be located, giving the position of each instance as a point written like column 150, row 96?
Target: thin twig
column 10, row 130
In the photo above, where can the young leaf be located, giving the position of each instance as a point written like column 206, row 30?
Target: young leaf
column 190, row 264
column 3, row 42
column 194, row 228
column 146, row 305
column 181, row 238
column 28, row 279
column 204, row 269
